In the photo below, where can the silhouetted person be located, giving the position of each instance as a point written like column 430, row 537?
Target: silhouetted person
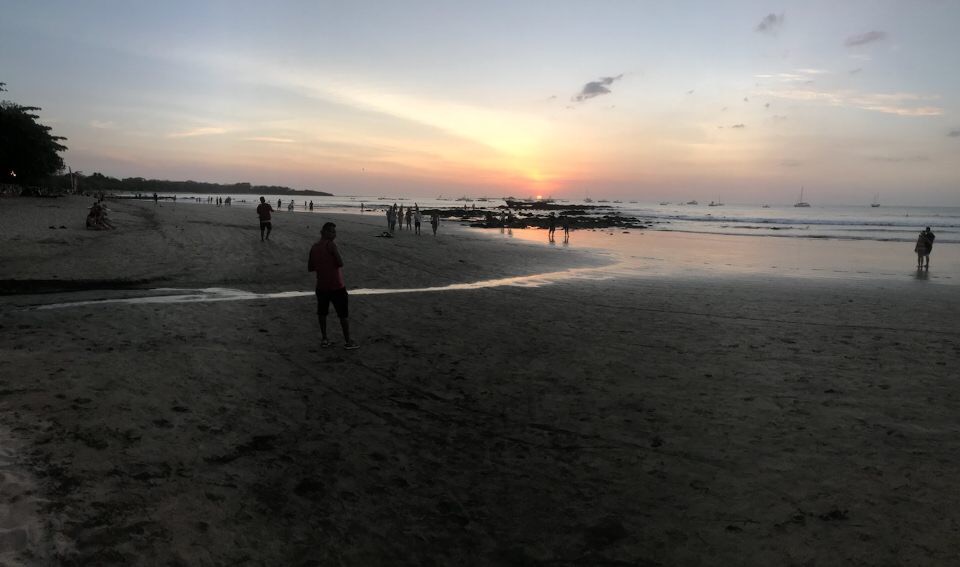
column 565, row 223
column 435, row 222
column 551, row 226
column 417, row 217
column 326, row 261
column 924, row 247
column 263, row 211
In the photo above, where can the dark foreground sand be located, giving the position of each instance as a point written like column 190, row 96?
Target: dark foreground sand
column 618, row 422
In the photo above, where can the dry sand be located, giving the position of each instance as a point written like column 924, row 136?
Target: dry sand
column 620, row 422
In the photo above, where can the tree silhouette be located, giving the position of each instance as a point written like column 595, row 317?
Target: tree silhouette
column 28, row 152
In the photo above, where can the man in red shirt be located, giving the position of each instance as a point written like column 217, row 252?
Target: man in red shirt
column 263, row 211
column 325, row 260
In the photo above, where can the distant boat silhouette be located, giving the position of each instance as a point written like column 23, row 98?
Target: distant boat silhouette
column 694, row 202
column 801, row 202
column 876, row 201
column 716, row 203
column 664, row 202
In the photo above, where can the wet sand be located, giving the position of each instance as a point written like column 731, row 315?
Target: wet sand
column 630, row 421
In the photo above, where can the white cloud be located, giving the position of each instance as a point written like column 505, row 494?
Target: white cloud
column 205, row 131
column 269, row 140
column 901, row 104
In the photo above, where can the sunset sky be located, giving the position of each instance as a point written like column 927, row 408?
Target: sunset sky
column 745, row 101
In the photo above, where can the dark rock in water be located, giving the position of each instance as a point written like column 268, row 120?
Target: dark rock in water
column 604, row 533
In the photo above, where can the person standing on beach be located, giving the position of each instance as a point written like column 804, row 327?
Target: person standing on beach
column 924, row 247
column 263, row 211
column 409, row 218
column 551, row 226
column 434, row 222
column 326, row 261
column 565, row 223
column 417, row 217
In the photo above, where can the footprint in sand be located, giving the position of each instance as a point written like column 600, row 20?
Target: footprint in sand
column 20, row 530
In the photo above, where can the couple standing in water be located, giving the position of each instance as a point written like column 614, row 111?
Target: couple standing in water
column 924, row 247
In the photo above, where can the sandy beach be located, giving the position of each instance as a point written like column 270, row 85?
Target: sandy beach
column 618, row 421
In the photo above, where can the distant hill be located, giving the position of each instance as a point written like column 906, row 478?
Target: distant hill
column 99, row 182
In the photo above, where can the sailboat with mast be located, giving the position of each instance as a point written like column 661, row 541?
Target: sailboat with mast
column 876, row 201
column 801, row 202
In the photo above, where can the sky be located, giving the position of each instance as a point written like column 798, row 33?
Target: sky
column 650, row 100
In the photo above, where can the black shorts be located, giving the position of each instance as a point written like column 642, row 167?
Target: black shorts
column 337, row 297
column 265, row 224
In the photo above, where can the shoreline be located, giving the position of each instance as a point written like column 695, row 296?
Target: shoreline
column 633, row 420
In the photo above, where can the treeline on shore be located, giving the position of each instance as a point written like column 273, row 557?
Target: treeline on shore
column 97, row 182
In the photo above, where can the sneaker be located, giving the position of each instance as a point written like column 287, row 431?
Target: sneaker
column 351, row 345
column 325, row 343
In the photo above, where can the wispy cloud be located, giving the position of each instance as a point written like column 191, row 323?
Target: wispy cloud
column 797, row 76
column 269, row 140
column 102, row 125
column 900, row 159
column 206, row 131
column 596, row 88
column 856, row 71
column 864, row 38
column 739, row 126
column 770, row 23
column 901, row 104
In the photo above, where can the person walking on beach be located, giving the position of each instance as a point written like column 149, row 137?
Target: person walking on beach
column 400, row 217
column 409, row 218
column 417, row 217
column 263, row 211
column 924, row 247
column 551, row 226
column 434, row 222
column 326, row 261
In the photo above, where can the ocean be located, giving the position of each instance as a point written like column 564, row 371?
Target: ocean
column 842, row 222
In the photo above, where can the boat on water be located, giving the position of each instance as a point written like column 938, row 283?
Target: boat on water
column 693, row 202
column 764, row 206
column 716, row 203
column 618, row 201
column 633, row 202
column 801, row 202
column 876, row 201
column 603, row 201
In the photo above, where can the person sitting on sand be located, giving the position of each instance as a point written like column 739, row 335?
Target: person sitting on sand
column 326, row 261
column 263, row 211
column 924, row 247
column 97, row 218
